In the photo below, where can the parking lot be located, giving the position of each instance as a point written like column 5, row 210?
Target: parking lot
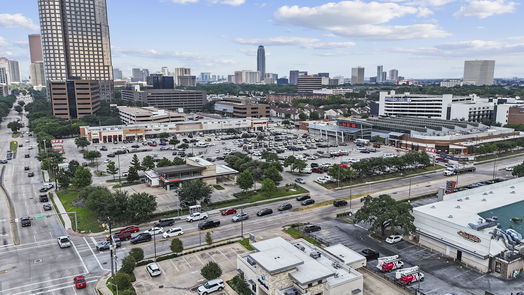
column 181, row 275
column 442, row 275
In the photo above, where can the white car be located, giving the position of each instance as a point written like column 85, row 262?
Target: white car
column 155, row 230
column 173, row 232
column 211, row 286
column 153, row 269
column 509, row 168
column 64, row 242
column 394, row 239
column 195, row 216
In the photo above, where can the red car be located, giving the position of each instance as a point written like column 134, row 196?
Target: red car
column 228, row 211
column 345, row 166
column 80, row 282
column 317, row 170
column 129, row 229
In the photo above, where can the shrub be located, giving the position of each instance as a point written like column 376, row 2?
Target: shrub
column 137, row 253
column 122, row 280
column 128, row 265
column 177, row 246
column 211, row 271
column 127, row 292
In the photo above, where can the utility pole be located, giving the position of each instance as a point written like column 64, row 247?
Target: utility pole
column 494, row 166
column 154, row 244
column 111, row 247
column 241, row 223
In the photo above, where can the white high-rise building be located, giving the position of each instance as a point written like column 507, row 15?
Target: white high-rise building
column 165, row 71
column 380, row 75
column 37, row 74
column 479, row 72
column 117, row 74
column 9, row 71
column 14, row 70
column 357, row 75
column 393, row 75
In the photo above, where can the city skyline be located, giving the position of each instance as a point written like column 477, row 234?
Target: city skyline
column 412, row 36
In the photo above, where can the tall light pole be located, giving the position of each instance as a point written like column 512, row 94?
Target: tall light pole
column 241, row 223
column 494, row 166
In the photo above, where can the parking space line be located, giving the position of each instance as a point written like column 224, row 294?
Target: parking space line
column 188, row 264
column 174, row 264
column 198, row 258
column 223, row 254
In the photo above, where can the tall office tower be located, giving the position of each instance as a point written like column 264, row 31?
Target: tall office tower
column 238, row 77
column 181, row 72
column 357, row 75
column 205, row 77
column 479, row 72
column 165, row 71
column 393, row 75
column 250, row 77
column 75, row 39
column 4, row 71
column 117, row 74
column 380, row 70
column 186, row 81
column 293, row 77
column 261, row 61
column 136, row 74
column 73, row 99
column 35, row 48
column 158, row 81
column 145, row 74
column 384, row 77
column 14, row 71
column 306, row 84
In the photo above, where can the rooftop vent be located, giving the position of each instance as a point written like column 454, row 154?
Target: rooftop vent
column 450, row 216
column 491, row 192
column 485, row 194
column 512, row 186
column 458, row 206
column 512, row 192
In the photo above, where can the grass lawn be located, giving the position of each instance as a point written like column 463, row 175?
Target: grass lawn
column 381, row 177
column 298, row 235
column 255, row 196
column 218, row 187
column 86, row 218
column 245, row 243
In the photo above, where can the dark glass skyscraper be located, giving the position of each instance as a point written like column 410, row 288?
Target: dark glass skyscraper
column 261, row 62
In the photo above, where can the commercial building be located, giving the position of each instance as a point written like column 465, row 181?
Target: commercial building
column 242, row 107
column 139, row 75
column 144, row 115
column 159, row 81
column 393, row 75
column 14, row 70
column 261, row 61
column 479, row 72
column 97, row 134
column 169, row 99
column 247, row 77
column 306, row 84
column 4, row 90
column 357, row 75
column 117, row 74
column 73, row 99
column 478, row 227
column 37, row 74
column 35, row 48
column 333, row 91
column 186, row 81
column 380, row 75
column 451, row 83
column 289, row 97
column 293, row 76
column 278, row 267
column 282, row 81
column 9, row 71
column 75, row 41
column 195, row 168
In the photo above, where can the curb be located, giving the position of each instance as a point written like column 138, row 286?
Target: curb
column 101, row 286
column 62, row 211
column 14, row 229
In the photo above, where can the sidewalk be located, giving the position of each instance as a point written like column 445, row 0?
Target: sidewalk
column 60, row 208
column 101, row 286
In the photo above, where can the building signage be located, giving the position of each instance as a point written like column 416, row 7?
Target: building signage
column 470, row 237
column 57, row 145
column 398, row 99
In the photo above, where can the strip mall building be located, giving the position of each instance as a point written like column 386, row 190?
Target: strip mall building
column 97, row 134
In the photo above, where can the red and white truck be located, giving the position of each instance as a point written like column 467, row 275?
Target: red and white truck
column 389, row 263
column 409, row 275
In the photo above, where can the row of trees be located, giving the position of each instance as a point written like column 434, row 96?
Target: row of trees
column 295, row 164
column 6, row 103
column 496, row 147
column 259, row 170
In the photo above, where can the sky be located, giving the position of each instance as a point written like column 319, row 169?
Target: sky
column 420, row 38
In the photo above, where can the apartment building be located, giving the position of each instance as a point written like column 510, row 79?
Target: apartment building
column 306, row 84
column 74, row 99
column 169, row 99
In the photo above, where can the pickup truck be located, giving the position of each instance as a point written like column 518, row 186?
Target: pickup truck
column 458, row 170
column 208, row 224
column 197, row 216
column 64, row 242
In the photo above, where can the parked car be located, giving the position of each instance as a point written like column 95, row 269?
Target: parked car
column 27, row 156
column 173, row 232
column 370, row 254
column 153, row 269
column 105, row 245
column 302, row 198
column 63, row 242
column 25, row 221
column 141, row 238
column 47, row 207
column 26, row 168
column 30, row 174
column 130, row 229
column 195, row 216
column 43, row 198
column 340, row 203
column 393, row 239
column 240, row 217
column 300, row 180
column 164, row 222
column 155, row 230
column 311, row 228
column 211, row 286
column 265, row 211
column 308, row 202
column 285, row 207
column 208, row 224
column 225, row 212
column 80, row 282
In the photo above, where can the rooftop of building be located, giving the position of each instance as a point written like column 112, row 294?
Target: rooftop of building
column 178, row 169
column 147, row 111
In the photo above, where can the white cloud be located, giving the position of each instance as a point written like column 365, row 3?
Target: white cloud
column 184, row 1
column 431, row 2
column 3, row 42
column 295, row 41
column 485, row 8
column 188, row 57
column 469, row 48
column 365, row 20
column 17, row 20
column 229, row 2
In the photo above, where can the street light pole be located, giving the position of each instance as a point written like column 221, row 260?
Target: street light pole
column 494, row 166
column 119, row 171
column 154, row 244
column 241, row 223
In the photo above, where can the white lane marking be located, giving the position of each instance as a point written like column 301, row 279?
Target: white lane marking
column 57, row 287
column 81, row 260
column 93, row 240
column 26, row 285
column 94, row 255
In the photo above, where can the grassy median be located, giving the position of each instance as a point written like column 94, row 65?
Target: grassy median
column 87, row 221
column 246, row 198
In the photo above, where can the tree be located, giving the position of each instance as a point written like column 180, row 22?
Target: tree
column 183, row 146
column 194, row 190
column 314, row 115
column 122, row 280
column 211, row 271
column 174, row 141
column 92, row 155
column 378, row 139
column 163, row 135
column 299, row 165
column 137, row 253
column 82, row 177
column 245, row 180
column 132, row 174
column 128, row 264
column 302, row 117
column 273, row 174
column 289, row 161
column 269, row 157
column 111, row 169
column 268, row 186
column 209, row 239
column 338, row 172
column 385, row 212
column 14, row 126
column 178, row 161
column 177, row 246
column 148, row 163
column 164, row 162
column 73, row 165
column 135, row 162
column 140, row 207
column 18, row 109
column 21, row 103
column 518, row 170
column 63, row 179
column 81, row 142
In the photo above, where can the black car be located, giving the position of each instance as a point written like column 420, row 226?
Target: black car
column 25, row 221
column 103, row 148
column 265, row 211
column 26, row 168
column 43, row 198
column 311, row 228
column 308, row 202
column 141, row 238
column 48, row 207
column 302, row 198
column 135, row 146
column 370, row 254
column 27, row 156
column 285, row 207
column 340, row 203
column 111, row 155
column 30, row 174
column 165, row 222
column 208, row 224
column 3, row 161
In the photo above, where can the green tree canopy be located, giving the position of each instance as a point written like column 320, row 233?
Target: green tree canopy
column 122, row 280
column 64, row 179
column 245, row 180
column 211, row 271
column 177, row 246
column 209, row 239
column 164, row 162
column 148, row 163
column 111, row 168
column 178, row 161
column 137, row 253
column 273, row 174
column 194, row 190
column 132, row 174
column 14, row 126
column 82, row 177
column 82, row 142
column 268, row 186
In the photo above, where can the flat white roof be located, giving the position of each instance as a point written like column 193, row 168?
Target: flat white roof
column 276, row 260
column 348, row 256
